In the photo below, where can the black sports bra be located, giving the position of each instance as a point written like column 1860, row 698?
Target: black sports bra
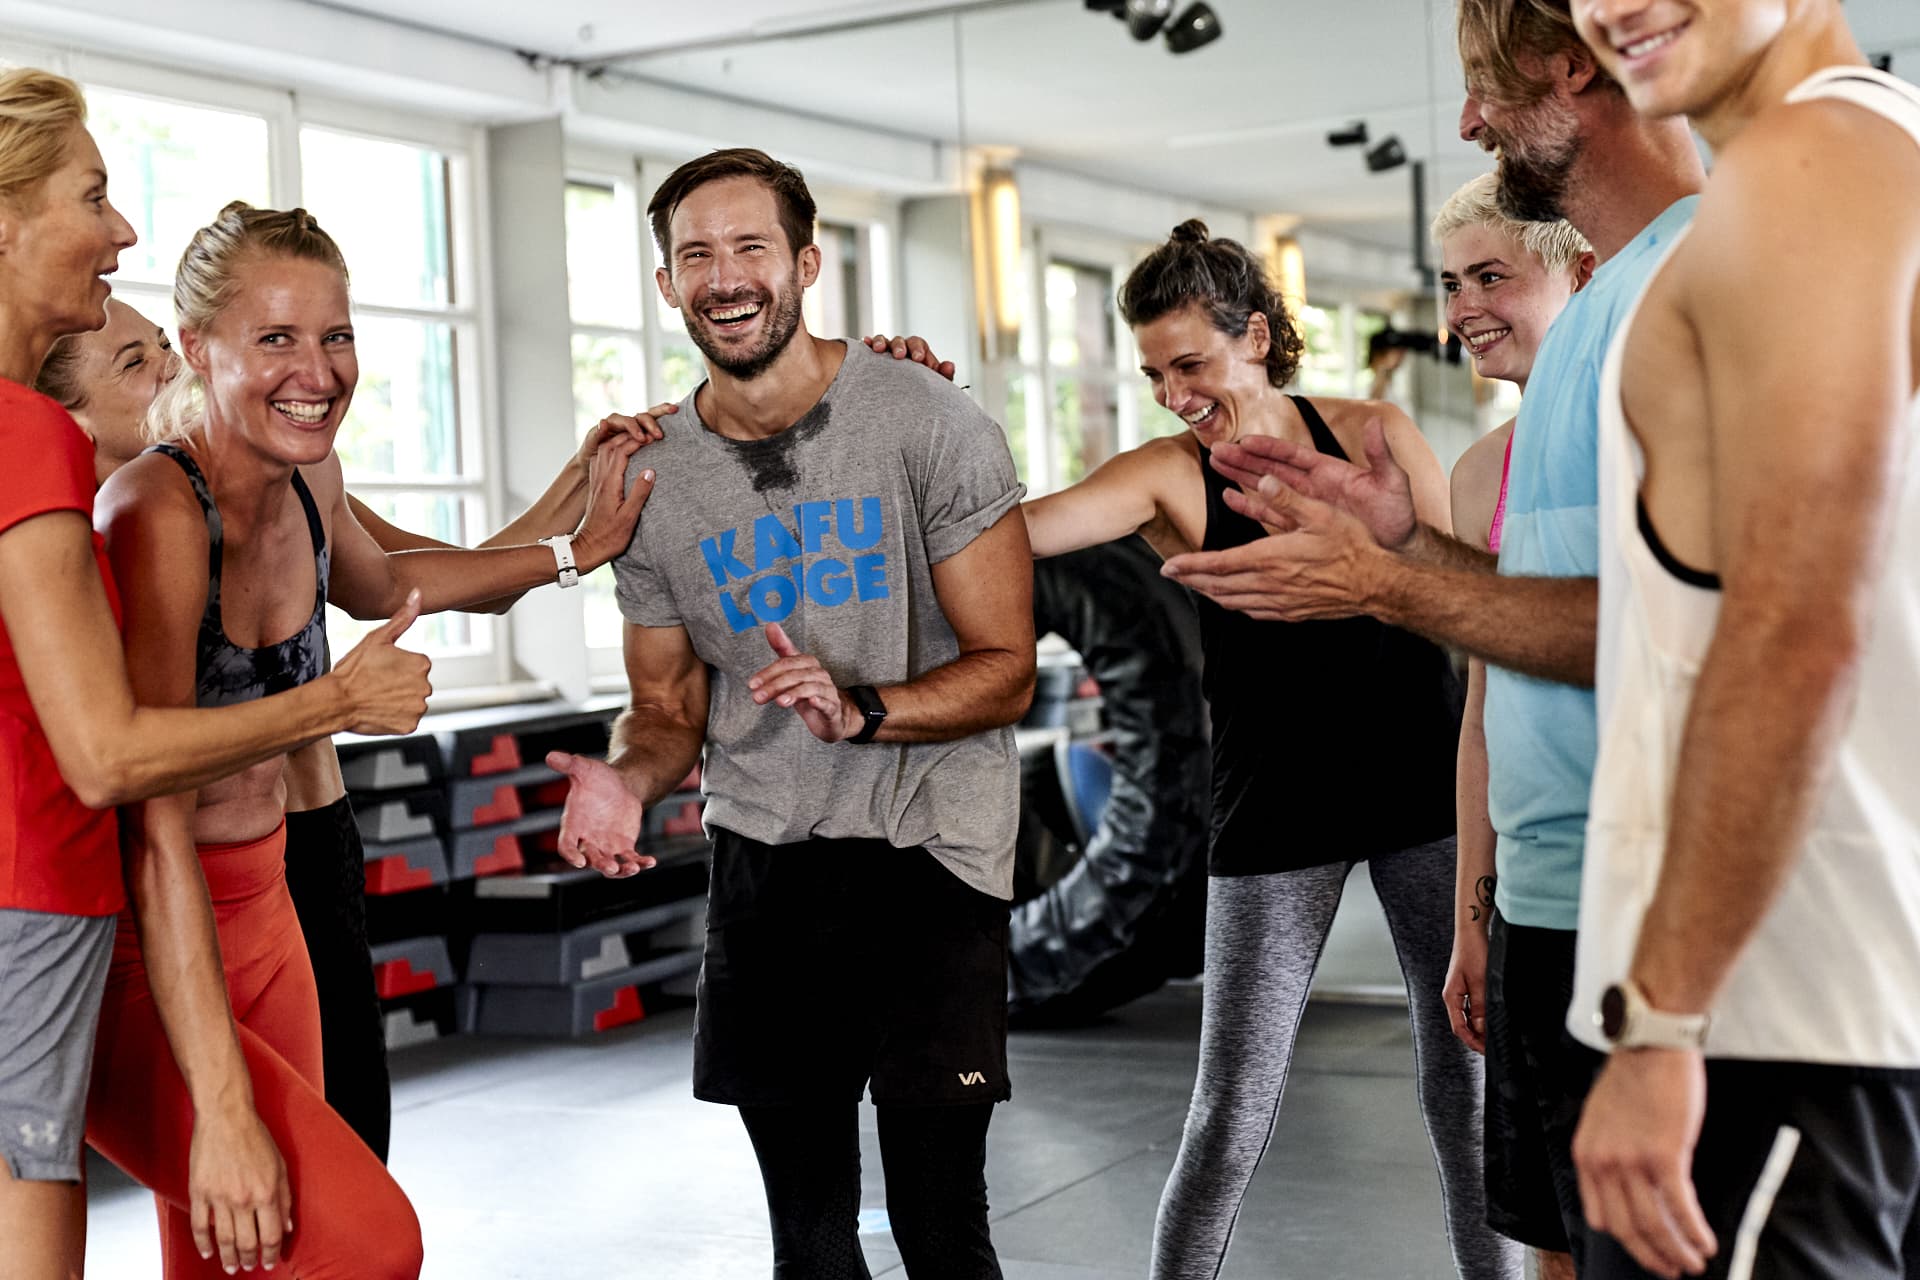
column 225, row 673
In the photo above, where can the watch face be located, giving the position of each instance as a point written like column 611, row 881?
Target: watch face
column 1613, row 1012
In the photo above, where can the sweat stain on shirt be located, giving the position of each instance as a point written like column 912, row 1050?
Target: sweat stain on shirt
column 770, row 462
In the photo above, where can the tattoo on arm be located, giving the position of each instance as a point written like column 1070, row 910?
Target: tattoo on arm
column 1483, row 897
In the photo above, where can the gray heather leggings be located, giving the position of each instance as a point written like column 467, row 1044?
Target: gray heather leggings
column 1264, row 938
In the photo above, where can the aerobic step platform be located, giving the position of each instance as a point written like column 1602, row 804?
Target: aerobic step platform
column 584, row 954
column 411, row 966
column 580, row 1009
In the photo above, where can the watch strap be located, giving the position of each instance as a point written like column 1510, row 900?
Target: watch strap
column 1636, row 1024
column 873, row 712
column 566, row 572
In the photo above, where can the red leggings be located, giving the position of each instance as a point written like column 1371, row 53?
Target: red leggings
column 349, row 1216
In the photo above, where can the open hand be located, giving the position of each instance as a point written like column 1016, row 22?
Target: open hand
column 600, row 827
column 642, row 428
column 1634, row 1154
column 386, row 686
column 1320, row 569
column 797, row 680
column 914, row 349
column 607, row 527
column 239, row 1200
column 1379, row 494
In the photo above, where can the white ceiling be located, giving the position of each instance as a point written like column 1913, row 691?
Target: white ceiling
column 1240, row 123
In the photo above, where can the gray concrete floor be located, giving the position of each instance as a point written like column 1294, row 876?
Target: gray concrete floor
column 539, row 1160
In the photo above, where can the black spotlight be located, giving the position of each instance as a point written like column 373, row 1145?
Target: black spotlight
column 1146, row 17
column 1354, row 135
column 1882, row 62
column 1387, row 154
column 1198, row 25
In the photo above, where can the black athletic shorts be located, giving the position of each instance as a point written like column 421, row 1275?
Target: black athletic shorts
column 1804, row 1172
column 834, row 964
column 1537, row 1080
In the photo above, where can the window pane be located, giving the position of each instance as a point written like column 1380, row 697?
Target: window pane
column 832, row 306
column 681, row 370
column 385, row 203
column 452, row 518
column 603, row 258
column 1070, row 465
column 1085, row 426
column 1063, row 347
column 1016, row 427
column 404, row 420
column 1154, row 420
column 605, row 626
column 1327, row 367
column 171, row 168
column 608, row 377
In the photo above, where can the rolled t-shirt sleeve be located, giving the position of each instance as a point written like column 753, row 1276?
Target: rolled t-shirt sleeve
column 970, row 482
column 641, row 590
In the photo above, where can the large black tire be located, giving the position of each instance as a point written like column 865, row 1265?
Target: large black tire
column 1131, row 913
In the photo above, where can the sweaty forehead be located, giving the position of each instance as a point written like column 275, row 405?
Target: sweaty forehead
column 725, row 209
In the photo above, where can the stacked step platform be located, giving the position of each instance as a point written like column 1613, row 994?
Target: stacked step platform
column 476, row 924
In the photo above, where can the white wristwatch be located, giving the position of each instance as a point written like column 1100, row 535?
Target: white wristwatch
column 1629, row 1022
column 562, row 546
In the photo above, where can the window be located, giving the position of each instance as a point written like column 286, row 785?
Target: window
column 606, row 293
column 411, row 446
column 179, row 148
column 1074, row 398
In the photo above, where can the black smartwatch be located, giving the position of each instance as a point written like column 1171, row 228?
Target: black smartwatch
column 873, row 712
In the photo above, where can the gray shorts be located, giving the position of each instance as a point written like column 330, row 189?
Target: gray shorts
column 53, row 969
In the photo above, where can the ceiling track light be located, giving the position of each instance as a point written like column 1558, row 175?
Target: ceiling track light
column 1386, row 154
column 1196, row 26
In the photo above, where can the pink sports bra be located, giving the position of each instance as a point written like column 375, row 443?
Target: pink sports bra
column 1500, row 508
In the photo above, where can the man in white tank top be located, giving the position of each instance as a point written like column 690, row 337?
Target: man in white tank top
column 1749, row 941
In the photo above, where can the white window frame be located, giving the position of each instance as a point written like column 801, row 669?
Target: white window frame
column 470, row 314
column 1044, row 245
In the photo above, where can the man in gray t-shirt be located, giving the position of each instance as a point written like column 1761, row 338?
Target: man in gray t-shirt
column 831, row 592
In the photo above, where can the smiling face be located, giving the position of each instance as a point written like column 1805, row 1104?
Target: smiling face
column 733, row 276
column 57, row 249
column 1211, row 379
column 1500, row 299
column 278, row 360
column 120, row 370
column 1680, row 57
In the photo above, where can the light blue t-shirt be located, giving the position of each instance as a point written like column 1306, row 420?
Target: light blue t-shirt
column 1541, row 735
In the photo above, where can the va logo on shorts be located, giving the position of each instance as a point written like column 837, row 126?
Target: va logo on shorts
column 46, row 1136
column 972, row 1077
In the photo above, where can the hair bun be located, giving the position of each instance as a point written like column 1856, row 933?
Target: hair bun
column 1192, row 231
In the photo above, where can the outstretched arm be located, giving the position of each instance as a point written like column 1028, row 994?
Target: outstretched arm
column 1330, row 565
column 559, row 510
column 656, row 743
column 366, row 579
column 1132, row 492
column 112, row 751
